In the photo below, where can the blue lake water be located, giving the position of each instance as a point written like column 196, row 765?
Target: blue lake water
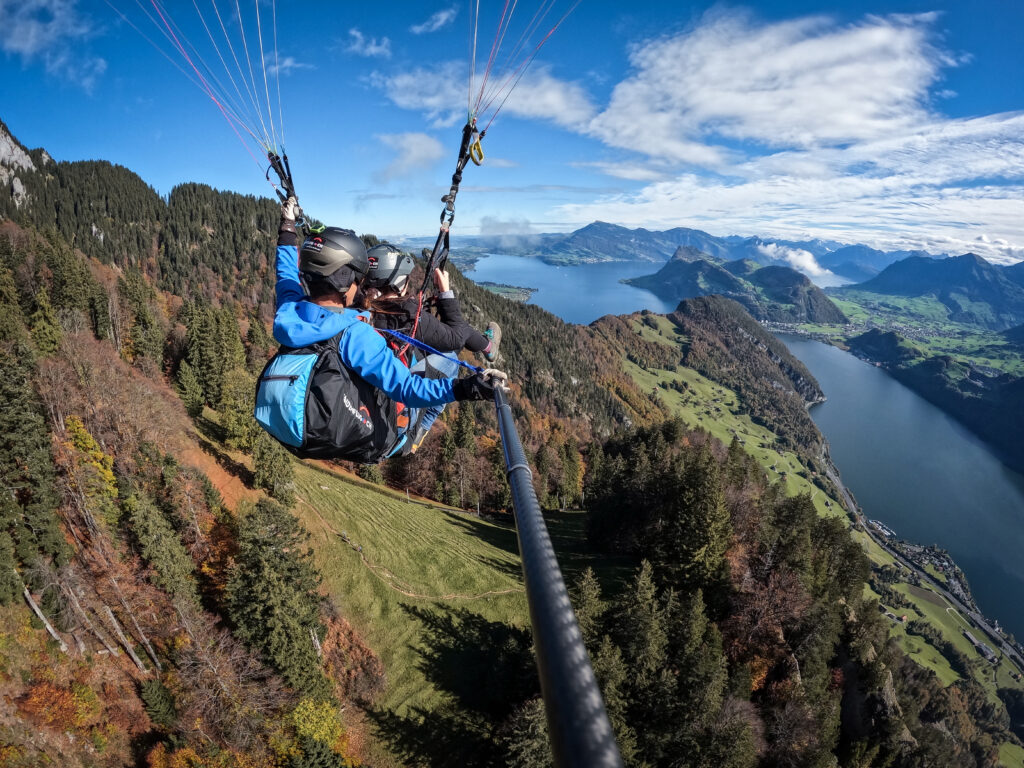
column 576, row 294
column 923, row 474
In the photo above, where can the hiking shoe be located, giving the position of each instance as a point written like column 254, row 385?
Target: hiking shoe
column 493, row 333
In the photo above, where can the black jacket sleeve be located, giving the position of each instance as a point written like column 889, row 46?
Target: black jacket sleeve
column 447, row 332
column 450, row 314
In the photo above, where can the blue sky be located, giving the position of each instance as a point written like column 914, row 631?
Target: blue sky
column 897, row 124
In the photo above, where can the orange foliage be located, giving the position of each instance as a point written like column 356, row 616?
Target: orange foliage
column 160, row 757
column 51, row 705
column 9, row 754
column 759, row 668
column 355, row 669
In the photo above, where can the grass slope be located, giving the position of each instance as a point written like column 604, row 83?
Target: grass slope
column 413, row 554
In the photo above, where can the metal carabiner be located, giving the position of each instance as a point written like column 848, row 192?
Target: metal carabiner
column 476, row 149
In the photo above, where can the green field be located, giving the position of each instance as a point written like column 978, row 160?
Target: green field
column 420, row 556
column 413, row 554
column 1011, row 756
column 926, row 322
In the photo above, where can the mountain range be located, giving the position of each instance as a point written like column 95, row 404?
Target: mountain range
column 769, row 293
column 600, row 241
column 971, row 289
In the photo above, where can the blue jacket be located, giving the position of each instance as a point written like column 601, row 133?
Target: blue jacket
column 299, row 322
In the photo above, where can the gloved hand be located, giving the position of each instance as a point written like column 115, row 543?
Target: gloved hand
column 289, row 212
column 481, row 386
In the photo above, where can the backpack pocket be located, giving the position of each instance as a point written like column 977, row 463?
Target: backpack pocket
column 281, row 395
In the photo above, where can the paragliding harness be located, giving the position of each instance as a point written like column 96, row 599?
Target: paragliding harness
column 318, row 408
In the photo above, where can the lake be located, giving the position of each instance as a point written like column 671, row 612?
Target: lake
column 576, row 294
column 908, row 463
column 923, row 474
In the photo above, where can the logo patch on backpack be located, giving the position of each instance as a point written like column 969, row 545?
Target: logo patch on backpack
column 317, row 408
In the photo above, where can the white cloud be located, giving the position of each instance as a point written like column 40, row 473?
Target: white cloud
column 53, row 32
column 439, row 92
column 829, row 134
column 285, row 65
column 797, row 258
column 370, row 47
column 801, row 83
column 628, row 171
column 412, row 152
column 540, row 95
column 439, row 20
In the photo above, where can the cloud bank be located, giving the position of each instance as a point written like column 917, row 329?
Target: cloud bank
column 797, row 128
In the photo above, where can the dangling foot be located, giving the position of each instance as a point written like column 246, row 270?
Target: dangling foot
column 493, row 333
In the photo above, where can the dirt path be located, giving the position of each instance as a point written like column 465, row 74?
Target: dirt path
column 392, row 581
column 231, row 487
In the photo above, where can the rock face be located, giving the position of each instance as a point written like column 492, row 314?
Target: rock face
column 777, row 294
column 14, row 158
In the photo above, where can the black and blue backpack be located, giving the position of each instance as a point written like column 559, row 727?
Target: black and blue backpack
column 317, row 408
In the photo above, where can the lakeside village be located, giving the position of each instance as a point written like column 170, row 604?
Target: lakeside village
column 938, row 564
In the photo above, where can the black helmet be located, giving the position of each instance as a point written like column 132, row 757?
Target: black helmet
column 324, row 253
column 390, row 267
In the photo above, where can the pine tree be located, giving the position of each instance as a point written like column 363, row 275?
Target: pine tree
column 46, row 331
column 28, row 505
column 272, row 595
column 691, row 548
column 191, row 390
column 613, row 675
column 572, row 472
column 12, row 320
column 161, row 548
column 315, row 754
column 10, row 584
column 639, row 627
column 258, row 344
column 371, row 473
column 462, row 431
column 272, row 468
column 586, row 600
column 229, row 338
column 236, row 406
column 159, row 703
column 525, row 739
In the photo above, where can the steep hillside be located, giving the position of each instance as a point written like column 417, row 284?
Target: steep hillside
column 771, row 293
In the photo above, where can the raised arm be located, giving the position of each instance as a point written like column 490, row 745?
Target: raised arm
column 288, row 287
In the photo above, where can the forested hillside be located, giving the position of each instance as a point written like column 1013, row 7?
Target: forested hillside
column 170, row 627
column 772, row 293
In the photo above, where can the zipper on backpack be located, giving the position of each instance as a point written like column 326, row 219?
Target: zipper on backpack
column 290, row 379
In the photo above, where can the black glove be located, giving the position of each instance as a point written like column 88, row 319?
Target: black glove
column 480, row 386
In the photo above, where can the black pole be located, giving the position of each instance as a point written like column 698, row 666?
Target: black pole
column 581, row 734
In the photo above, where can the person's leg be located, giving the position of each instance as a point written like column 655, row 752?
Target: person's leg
column 431, row 367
